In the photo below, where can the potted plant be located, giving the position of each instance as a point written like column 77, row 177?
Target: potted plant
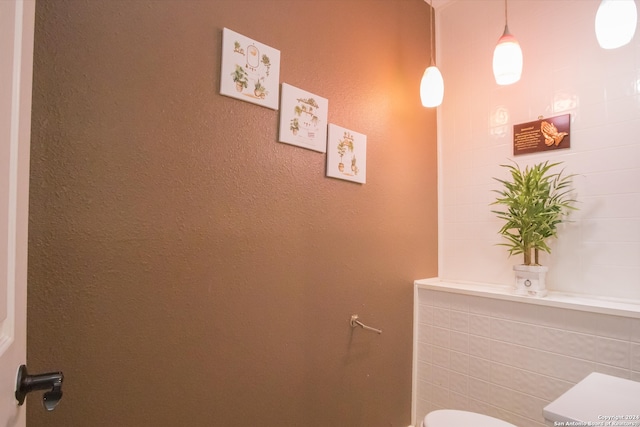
column 535, row 201
column 240, row 78
column 343, row 145
column 259, row 90
column 267, row 63
column 295, row 126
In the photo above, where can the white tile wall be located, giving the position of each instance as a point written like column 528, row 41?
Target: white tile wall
column 565, row 71
column 509, row 359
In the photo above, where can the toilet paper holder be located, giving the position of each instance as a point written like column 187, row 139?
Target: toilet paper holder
column 355, row 322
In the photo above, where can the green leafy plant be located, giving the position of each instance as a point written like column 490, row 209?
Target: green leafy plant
column 267, row 63
column 344, row 144
column 259, row 90
column 295, row 126
column 536, row 200
column 240, row 77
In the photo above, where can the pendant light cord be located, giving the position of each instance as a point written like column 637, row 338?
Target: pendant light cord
column 432, row 41
column 506, row 22
column 505, row 12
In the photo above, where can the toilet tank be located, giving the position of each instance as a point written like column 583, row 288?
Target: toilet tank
column 598, row 399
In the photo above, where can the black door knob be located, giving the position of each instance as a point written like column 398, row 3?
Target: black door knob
column 51, row 381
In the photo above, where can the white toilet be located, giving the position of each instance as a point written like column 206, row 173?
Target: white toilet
column 455, row 418
column 598, row 399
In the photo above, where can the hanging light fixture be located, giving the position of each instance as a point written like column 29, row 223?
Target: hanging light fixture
column 507, row 56
column 432, row 85
column 616, row 23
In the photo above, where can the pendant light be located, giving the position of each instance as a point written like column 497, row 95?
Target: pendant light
column 616, row 23
column 507, row 56
column 432, row 85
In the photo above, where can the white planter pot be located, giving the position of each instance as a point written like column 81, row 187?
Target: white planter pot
column 530, row 280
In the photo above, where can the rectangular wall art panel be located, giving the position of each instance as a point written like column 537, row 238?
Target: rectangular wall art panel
column 346, row 154
column 303, row 118
column 250, row 70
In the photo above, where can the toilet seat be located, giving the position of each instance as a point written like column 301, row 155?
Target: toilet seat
column 455, row 418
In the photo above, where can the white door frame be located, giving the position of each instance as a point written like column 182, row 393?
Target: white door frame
column 16, row 71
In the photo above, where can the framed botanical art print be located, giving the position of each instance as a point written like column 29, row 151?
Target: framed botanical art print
column 346, row 154
column 250, row 70
column 303, row 118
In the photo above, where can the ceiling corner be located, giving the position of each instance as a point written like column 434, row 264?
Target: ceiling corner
column 440, row 4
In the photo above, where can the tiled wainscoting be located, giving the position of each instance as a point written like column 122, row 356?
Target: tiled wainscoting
column 508, row 356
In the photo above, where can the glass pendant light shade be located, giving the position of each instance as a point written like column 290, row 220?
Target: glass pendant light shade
column 616, row 22
column 507, row 59
column 431, row 87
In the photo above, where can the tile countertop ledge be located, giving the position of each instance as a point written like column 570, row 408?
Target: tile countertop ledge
column 594, row 304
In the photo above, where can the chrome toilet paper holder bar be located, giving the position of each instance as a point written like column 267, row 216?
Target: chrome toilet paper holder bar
column 355, row 322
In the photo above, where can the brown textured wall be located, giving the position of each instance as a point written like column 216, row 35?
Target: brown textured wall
column 185, row 268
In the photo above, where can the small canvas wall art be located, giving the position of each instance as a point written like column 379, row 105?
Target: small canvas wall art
column 303, row 118
column 250, row 70
column 346, row 154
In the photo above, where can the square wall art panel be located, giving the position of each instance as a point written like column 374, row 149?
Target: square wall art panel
column 250, row 70
column 346, row 154
column 303, row 118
